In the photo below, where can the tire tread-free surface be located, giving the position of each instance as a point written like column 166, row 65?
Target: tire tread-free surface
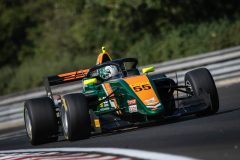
column 79, row 123
column 43, row 119
column 201, row 79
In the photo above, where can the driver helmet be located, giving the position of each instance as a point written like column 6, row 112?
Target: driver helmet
column 108, row 72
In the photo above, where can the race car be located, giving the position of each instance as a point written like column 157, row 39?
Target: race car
column 116, row 95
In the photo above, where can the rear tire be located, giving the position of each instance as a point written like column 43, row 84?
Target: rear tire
column 75, row 117
column 40, row 120
column 201, row 79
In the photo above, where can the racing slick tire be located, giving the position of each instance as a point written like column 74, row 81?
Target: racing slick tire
column 75, row 117
column 40, row 120
column 199, row 79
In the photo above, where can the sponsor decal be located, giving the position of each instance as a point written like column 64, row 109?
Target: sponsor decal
column 155, row 107
column 104, row 109
column 151, row 101
column 142, row 88
column 152, row 107
column 106, row 104
column 133, row 108
column 103, row 104
column 132, row 102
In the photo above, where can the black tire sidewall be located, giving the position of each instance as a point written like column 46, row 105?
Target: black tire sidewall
column 201, row 79
column 43, row 119
column 79, row 123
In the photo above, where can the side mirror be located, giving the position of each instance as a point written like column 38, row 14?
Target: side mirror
column 90, row 81
column 147, row 70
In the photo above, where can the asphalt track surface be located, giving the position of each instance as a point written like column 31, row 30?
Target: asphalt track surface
column 211, row 137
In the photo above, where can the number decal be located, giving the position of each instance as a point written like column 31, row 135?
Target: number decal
column 137, row 88
column 146, row 86
column 142, row 87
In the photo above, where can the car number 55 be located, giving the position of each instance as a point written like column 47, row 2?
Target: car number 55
column 142, row 87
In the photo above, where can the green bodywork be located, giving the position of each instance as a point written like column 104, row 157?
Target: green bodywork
column 122, row 93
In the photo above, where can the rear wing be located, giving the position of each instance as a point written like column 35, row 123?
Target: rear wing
column 63, row 78
column 49, row 81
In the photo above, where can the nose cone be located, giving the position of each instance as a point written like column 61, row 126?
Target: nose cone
column 142, row 87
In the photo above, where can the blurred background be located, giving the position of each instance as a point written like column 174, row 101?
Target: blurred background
column 53, row 36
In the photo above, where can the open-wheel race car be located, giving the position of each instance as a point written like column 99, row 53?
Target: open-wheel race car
column 116, row 95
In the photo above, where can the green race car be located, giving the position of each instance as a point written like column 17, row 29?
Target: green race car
column 116, row 95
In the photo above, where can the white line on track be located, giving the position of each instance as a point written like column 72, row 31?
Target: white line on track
column 112, row 151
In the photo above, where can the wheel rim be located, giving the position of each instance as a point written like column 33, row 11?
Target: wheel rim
column 65, row 124
column 28, row 124
column 189, row 87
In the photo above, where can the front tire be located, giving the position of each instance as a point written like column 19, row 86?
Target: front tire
column 201, row 79
column 75, row 117
column 40, row 120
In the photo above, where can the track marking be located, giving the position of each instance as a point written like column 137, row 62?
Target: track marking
column 95, row 153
